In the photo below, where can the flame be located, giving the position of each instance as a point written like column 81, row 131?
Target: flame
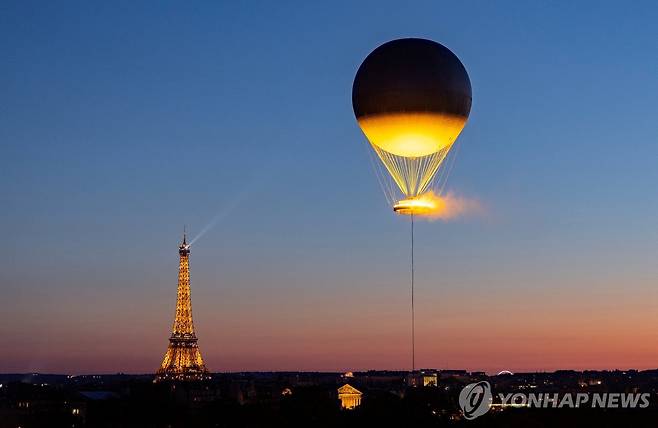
column 435, row 207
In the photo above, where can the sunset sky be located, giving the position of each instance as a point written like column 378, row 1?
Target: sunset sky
column 120, row 122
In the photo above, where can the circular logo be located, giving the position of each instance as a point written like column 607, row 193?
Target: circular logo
column 475, row 399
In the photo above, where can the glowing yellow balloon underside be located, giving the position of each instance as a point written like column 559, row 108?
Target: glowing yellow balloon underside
column 412, row 134
column 412, row 146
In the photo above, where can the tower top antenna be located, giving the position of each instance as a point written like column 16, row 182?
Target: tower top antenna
column 184, row 247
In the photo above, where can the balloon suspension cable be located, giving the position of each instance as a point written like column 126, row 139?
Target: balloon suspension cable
column 413, row 317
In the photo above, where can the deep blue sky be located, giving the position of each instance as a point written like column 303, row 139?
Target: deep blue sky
column 120, row 122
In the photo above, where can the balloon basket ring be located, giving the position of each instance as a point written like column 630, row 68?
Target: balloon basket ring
column 414, row 206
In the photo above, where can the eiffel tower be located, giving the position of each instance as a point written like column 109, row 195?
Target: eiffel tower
column 183, row 360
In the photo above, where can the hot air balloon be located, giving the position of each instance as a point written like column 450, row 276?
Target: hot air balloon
column 411, row 98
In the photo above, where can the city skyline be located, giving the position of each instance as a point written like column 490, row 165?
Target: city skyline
column 117, row 129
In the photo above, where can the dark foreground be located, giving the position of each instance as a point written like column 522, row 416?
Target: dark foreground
column 307, row 400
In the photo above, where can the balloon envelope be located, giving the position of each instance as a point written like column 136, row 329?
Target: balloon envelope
column 411, row 98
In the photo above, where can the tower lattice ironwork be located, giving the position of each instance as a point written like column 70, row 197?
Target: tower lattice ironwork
column 183, row 360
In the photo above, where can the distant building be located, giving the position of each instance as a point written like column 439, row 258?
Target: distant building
column 455, row 374
column 349, row 396
column 381, row 378
column 422, row 379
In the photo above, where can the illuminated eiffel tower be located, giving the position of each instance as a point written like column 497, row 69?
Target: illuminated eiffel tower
column 183, row 360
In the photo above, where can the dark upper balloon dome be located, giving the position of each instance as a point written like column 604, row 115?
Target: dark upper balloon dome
column 411, row 75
